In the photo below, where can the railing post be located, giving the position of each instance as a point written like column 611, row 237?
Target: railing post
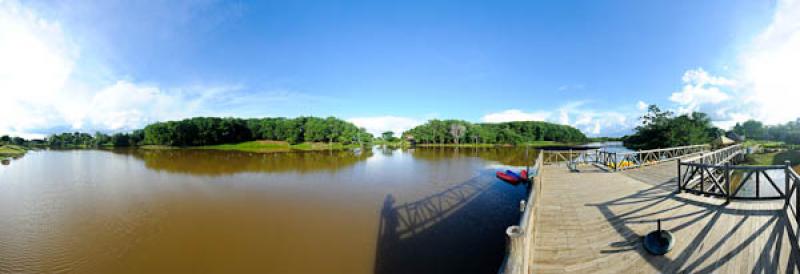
column 728, row 182
column 640, row 157
column 786, row 187
column 680, row 178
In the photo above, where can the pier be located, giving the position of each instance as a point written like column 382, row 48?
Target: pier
column 585, row 217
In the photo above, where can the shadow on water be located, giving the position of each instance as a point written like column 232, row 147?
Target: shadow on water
column 459, row 230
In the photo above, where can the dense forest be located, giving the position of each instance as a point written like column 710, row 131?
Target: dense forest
column 78, row 139
column 458, row 131
column 788, row 133
column 200, row 131
column 661, row 129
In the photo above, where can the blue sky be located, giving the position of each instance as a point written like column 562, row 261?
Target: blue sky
column 115, row 66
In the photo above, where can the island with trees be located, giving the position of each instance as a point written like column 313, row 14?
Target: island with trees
column 662, row 129
column 463, row 133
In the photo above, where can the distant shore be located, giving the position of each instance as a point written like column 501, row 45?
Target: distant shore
column 473, row 145
column 263, row 146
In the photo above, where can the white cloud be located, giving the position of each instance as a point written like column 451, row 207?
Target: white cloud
column 576, row 114
column 514, row 115
column 36, row 63
column 770, row 67
column 700, row 88
column 766, row 85
column 41, row 90
column 379, row 124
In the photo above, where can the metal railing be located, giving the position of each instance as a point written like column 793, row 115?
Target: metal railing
column 621, row 160
column 713, row 174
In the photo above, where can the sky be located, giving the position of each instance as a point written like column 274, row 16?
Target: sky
column 115, row 66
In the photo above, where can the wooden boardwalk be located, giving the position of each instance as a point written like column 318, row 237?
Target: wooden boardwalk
column 592, row 221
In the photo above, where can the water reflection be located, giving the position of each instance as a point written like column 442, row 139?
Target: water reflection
column 504, row 155
column 217, row 163
column 178, row 211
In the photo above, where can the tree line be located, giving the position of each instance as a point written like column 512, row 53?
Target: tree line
column 788, row 133
column 459, row 131
column 662, row 129
column 200, row 131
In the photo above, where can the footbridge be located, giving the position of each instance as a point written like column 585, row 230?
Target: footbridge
column 590, row 216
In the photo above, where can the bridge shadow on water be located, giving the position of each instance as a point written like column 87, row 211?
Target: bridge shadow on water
column 714, row 227
column 459, row 230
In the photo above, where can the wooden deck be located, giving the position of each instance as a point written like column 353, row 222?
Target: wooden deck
column 592, row 221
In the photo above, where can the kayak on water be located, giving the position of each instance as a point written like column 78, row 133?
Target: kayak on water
column 513, row 178
column 507, row 178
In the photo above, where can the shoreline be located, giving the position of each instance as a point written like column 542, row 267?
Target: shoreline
column 12, row 151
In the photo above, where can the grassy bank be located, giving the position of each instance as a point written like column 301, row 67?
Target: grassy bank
column 12, row 151
column 776, row 158
column 277, row 146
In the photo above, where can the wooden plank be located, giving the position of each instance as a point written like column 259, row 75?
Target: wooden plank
column 592, row 222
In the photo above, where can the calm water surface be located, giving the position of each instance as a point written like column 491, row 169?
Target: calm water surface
column 178, row 211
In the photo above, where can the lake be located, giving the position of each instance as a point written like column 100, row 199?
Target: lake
column 434, row 210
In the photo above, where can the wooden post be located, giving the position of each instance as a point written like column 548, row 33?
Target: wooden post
column 728, row 182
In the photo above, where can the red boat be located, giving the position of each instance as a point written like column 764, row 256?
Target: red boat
column 507, row 178
column 524, row 175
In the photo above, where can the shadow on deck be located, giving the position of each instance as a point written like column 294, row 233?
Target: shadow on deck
column 712, row 235
column 459, row 230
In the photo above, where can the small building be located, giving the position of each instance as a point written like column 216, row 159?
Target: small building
column 735, row 137
column 724, row 141
column 411, row 141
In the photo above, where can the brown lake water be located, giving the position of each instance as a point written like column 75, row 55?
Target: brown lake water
column 200, row 211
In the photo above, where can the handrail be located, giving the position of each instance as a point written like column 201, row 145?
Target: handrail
column 635, row 159
column 713, row 174
column 671, row 148
column 718, row 156
column 621, row 160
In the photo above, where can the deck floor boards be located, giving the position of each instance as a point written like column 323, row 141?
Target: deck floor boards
column 592, row 222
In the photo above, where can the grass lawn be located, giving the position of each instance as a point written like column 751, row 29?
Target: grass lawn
column 11, row 151
column 277, row 146
column 545, row 144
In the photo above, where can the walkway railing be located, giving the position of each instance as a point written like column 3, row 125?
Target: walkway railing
column 621, row 160
column 713, row 174
column 627, row 160
column 520, row 238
